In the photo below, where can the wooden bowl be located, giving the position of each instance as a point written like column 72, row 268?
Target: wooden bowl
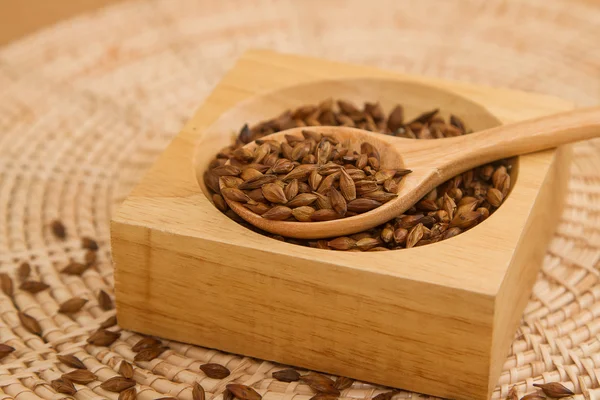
column 416, row 98
column 435, row 319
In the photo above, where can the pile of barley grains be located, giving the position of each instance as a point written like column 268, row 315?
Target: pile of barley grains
column 316, row 178
column 308, row 178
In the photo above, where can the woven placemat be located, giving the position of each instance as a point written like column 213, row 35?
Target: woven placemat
column 87, row 105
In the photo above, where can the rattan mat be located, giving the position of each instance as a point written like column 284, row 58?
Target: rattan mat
column 87, row 105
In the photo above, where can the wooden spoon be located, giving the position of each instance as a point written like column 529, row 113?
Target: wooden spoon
column 432, row 162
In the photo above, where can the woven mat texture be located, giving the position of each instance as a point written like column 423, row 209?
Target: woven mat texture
column 87, row 105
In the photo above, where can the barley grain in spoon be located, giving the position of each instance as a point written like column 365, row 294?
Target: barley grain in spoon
column 432, row 162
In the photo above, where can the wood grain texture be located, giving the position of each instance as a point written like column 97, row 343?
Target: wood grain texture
column 301, row 306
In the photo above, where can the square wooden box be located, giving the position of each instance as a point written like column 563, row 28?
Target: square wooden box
column 436, row 319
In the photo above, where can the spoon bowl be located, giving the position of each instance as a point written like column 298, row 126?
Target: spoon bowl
column 389, row 148
column 432, row 162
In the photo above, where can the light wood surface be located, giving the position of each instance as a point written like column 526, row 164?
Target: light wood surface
column 432, row 162
column 435, row 319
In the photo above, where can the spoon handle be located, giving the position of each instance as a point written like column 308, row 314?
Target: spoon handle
column 469, row 151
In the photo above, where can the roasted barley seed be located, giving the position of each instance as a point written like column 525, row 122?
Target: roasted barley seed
column 260, row 153
column 286, row 375
column 387, row 234
column 347, row 186
column 303, row 213
column 226, row 170
column 396, row 119
column 126, row 369
column 483, row 212
column 103, row 337
column 212, row 182
column 325, row 214
column 33, row 286
column 499, row 174
column 30, row 323
column 291, row 190
column 323, row 202
column 63, row 386
column 342, row 243
column 323, row 170
column 235, row 195
column 505, row 186
column 215, row 371
column 554, row 389
column 257, row 182
column 258, row 208
column 247, row 174
column 128, row 394
column 400, row 236
column 328, row 182
column 320, row 383
column 72, row 306
column 274, row 193
column 117, row 384
column 390, row 185
column 408, row 221
column 414, row 235
column 256, row 195
column 58, row 229
column 303, row 199
column 145, row 343
column 342, row 383
column 451, row 232
column 513, row 393
column 5, row 350
column 75, row 268
column 219, row 202
column 6, row 284
column 105, row 301
column 71, row 361
column 362, row 205
column 338, row 202
column 24, row 271
column 110, row 321
column 150, row 353
column 380, row 196
column 90, row 257
column 427, row 205
column 465, row 220
column 231, row 181
column 384, row 396
column 243, row 392
column 243, row 154
column 81, row 376
column 278, row 213
column 314, row 180
column 437, row 211
column 368, row 243
column 198, row 392
column 89, row 243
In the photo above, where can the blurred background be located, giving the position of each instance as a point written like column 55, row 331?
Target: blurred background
column 545, row 46
column 20, row 17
